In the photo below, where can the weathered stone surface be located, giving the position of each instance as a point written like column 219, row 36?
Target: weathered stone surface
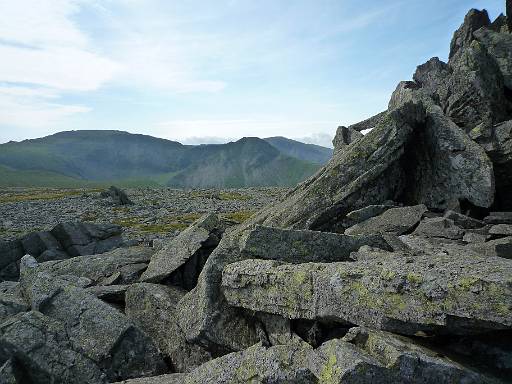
column 499, row 46
column 463, row 37
column 152, row 308
column 303, row 246
column 87, row 239
column 118, row 196
column 368, row 212
column 257, row 364
column 109, row 293
column 509, row 15
column 473, row 237
column 173, row 378
column 368, row 124
column 395, row 220
column 120, row 266
column 11, row 304
column 102, row 333
column 501, row 230
column 429, row 293
column 344, row 137
column 494, row 248
column 406, row 361
column 499, row 218
column 10, row 253
column 40, row 345
column 439, row 227
column 463, row 221
column 9, row 374
column 183, row 258
column 36, row 243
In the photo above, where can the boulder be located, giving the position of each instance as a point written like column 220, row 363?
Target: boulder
column 88, row 239
column 182, row 260
column 501, row 230
column 396, row 221
column 463, row 221
column 120, row 266
column 278, row 364
column 118, row 196
column 10, row 254
column 109, row 293
column 509, row 15
column 499, row 218
column 99, row 331
column 303, row 246
column 463, row 37
column 42, row 353
column 493, row 248
column 11, row 304
column 152, row 308
column 368, row 124
column 368, row 212
column 173, row 378
column 499, row 46
column 344, row 137
column 36, row 243
column 439, row 227
column 398, row 293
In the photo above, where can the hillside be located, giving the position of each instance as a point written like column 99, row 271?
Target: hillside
column 76, row 158
column 307, row 152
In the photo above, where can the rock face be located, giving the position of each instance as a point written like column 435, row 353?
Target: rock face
column 183, row 258
column 345, row 136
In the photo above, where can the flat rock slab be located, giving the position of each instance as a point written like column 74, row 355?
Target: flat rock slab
column 204, row 233
column 499, row 218
column 439, row 227
column 395, row 220
column 303, row 246
column 501, row 230
column 120, row 266
column 430, row 293
column 464, row 221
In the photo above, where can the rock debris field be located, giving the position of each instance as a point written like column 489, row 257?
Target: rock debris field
column 392, row 264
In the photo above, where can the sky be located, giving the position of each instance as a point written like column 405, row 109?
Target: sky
column 211, row 71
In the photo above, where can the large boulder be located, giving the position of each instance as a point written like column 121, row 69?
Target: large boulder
column 10, row 254
column 152, row 308
column 42, row 353
column 99, row 331
column 463, row 37
column 344, row 137
column 118, row 196
column 88, row 239
column 182, row 259
column 399, row 293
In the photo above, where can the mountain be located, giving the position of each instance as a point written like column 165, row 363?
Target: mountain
column 307, row 152
column 92, row 157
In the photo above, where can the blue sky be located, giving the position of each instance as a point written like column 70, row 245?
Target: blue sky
column 202, row 71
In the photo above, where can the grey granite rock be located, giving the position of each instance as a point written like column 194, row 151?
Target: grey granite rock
column 501, row 230
column 153, row 308
column 344, row 137
column 439, row 227
column 463, row 37
column 182, row 259
column 399, row 293
column 463, row 221
column 395, row 220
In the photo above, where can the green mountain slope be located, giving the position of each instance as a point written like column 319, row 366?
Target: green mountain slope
column 307, row 152
column 85, row 158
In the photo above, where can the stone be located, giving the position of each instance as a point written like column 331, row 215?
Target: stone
column 303, row 246
column 463, row 37
column 173, row 378
column 152, row 308
column 9, row 373
column 182, row 260
column 368, row 124
column 277, row 364
column 344, row 137
column 120, row 266
column 99, row 331
column 39, row 344
column 109, row 293
column 473, row 237
column 10, row 253
column 408, row 362
column 368, row 212
column 431, row 293
column 11, row 304
column 118, row 196
column 79, row 239
column 439, row 227
column 501, row 230
column 463, row 221
column 499, row 218
column 494, row 248
column 36, row 243
column 499, row 46
column 509, row 15
column 395, row 220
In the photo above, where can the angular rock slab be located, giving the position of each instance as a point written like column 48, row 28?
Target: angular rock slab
column 428, row 293
column 43, row 353
column 101, row 332
column 303, row 246
column 396, row 221
column 195, row 242
column 152, row 308
column 366, row 356
column 257, row 364
column 439, row 227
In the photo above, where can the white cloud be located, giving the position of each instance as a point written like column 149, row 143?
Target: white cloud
column 43, row 49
